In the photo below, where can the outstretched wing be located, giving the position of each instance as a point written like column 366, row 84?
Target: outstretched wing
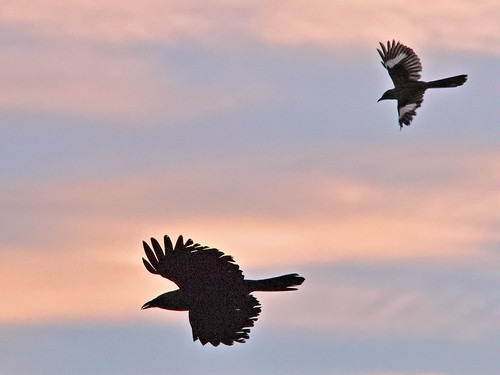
column 401, row 62
column 225, row 321
column 407, row 108
column 191, row 265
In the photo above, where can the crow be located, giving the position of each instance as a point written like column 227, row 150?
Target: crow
column 404, row 67
column 212, row 288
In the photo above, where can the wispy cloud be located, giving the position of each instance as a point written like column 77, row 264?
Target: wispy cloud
column 335, row 215
column 422, row 300
column 96, row 60
column 353, row 22
column 251, row 127
column 81, row 79
column 303, row 219
column 462, row 25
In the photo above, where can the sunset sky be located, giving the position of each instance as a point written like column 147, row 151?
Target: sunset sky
column 250, row 126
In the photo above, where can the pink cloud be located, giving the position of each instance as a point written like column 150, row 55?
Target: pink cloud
column 342, row 23
column 461, row 25
column 66, row 69
column 80, row 245
column 333, row 217
column 82, row 80
column 365, row 309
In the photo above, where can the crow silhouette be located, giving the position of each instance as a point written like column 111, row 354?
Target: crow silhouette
column 404, row 67
column 212, row 288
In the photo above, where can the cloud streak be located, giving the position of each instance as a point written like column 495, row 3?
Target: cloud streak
column 82, row 79
column 461, row 25
column 358, row 216
column 415, row 300
column 305, row 218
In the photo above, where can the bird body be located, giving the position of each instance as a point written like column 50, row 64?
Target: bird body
column 404, row 68
column 211, row 287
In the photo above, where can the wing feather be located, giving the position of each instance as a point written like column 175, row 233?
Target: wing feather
column 407, row 109
column 168, row 244
column 401, row 62
column 191, row 265
column 148, row 266
column 157, row 248
column 179, row 244
column 150, row 255
column 226, row 321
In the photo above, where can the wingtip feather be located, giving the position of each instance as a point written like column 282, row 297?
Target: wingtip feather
column 180, row 243
column 157, row 248
column 149, row 254
column 168, row 244
column 149, row 267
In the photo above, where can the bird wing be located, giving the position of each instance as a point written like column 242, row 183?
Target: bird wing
column 401, row 62
column 225, row 321
column 406, row 108
column 191, row 265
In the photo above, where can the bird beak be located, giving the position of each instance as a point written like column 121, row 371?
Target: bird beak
column 379, row 100
column 146, row 306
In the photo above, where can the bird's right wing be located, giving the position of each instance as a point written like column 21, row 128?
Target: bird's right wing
column 401, row 62
column 227, row 321
column 407, row 108
column 190, row 264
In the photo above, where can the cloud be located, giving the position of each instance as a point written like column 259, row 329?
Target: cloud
column 344, row 23
column 79, row 79
column 133, row 62
column 139, row 63
column 410, row 300
column 336, row 215
column 303, row 218
column 461, row 25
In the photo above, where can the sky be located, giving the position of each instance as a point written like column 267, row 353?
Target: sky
column 252, row 127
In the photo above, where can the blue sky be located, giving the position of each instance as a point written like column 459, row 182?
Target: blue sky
column 253, row 128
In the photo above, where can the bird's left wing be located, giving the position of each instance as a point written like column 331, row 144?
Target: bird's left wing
column 190, row 264
column 401, row 62
column 225, row 321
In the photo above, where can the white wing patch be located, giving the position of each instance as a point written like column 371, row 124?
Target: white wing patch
column 401, row 58
column 407, row 108
column 396, row 60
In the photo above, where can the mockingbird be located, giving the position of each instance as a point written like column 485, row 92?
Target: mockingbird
column 212, row 288
column 404, row 67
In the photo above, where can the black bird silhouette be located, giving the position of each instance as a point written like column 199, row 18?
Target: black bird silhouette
column 212, row 288
column 404, row 68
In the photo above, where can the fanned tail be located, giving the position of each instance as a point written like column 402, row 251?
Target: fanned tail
column 276, row 284
column 448, row 82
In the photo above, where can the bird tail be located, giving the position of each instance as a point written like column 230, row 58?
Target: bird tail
column 276, row 284
column 448, row 82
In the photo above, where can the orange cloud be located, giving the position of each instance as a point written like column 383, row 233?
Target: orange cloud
column 301, row 218
column 78, row 252
column 80, row 79
column 80, row 249
column 461, row 24
column 69, row 68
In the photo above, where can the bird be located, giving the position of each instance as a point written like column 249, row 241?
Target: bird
column 404, row 68
column 211, row 287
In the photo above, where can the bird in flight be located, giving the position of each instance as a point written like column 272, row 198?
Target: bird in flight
column 404, row 67
column 212, row 288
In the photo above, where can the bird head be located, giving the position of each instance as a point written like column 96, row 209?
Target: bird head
column 389, row 94
column 174, row 300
